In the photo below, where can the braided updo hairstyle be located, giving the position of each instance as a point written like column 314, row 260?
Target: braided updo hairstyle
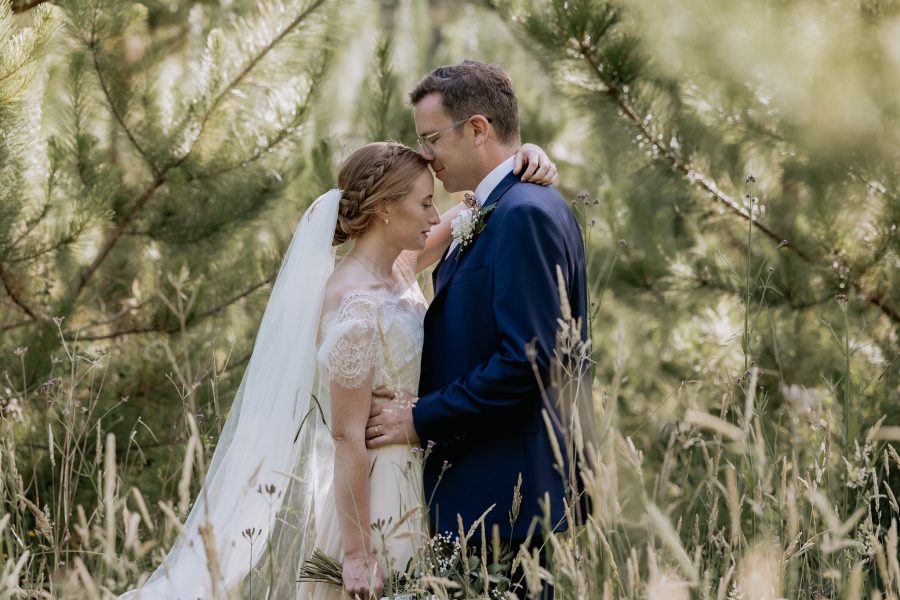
column 375, row 174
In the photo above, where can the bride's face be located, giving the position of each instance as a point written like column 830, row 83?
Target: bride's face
column 410, row 219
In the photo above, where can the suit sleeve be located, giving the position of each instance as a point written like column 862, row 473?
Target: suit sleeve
column 502, row 395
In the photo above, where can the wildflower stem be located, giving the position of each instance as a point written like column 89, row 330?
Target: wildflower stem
column 849, row 419
column 745, row 339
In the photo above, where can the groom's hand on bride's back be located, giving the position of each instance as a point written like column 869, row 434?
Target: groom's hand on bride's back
column 390, row 422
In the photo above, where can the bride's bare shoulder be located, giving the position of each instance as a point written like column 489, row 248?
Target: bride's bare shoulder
column 345, row 281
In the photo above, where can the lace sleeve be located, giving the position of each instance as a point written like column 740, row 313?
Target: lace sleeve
column 351, row 345
column 405, row 265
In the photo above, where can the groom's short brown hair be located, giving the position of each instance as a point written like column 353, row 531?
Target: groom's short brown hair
column 474, row 88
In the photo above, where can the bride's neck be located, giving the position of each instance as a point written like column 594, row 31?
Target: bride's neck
column 376, row 255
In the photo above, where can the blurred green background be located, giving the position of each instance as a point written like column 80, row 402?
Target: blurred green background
column 156, row 155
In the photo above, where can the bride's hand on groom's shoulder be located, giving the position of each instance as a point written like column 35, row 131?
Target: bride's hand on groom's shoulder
column 533, row 165
column 391, row 422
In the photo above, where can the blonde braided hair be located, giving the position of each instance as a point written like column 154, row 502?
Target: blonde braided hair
column 371, row 177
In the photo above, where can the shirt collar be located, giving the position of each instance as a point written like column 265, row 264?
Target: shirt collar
column 488, row 184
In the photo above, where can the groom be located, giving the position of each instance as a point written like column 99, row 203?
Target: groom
column 494, row 315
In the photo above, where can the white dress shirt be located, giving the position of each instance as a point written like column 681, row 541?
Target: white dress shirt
column 487, row 185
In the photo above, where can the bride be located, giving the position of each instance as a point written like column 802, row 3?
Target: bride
column 291, row 472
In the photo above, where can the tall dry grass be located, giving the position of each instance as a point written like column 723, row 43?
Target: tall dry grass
column 740, row 499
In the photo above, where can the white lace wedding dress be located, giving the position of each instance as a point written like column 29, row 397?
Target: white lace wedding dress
column 267, row 497
column 379, row 332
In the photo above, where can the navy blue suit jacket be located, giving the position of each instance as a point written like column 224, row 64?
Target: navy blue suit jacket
column 480, row 401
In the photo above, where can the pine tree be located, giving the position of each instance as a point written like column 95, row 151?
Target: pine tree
column 680, row 199
column 154, row 155
column 741, row 212
column 20, row 57
column 140, row 172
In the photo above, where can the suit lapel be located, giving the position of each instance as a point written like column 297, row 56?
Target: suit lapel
column 447, row 267
column 436, row 271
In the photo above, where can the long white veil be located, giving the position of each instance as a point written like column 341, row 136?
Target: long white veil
column 261, row 445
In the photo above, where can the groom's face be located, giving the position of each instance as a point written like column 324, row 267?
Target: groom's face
column 450, row 152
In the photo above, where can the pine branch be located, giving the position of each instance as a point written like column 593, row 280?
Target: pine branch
column 10, row 74
column 706, row 183
column 786, row 299
column 36, row 252
column 161, row 175
column 11, row 289
column 579, row 45
column 75, row 337
column 283, row 134
column 118, row 316
column 317, row 76
column 116, row 234
column 876, row 299
column 8, row 326
column 246, row 71
column 93, row 44
column 30, row 224
column 233, row 299
column 26, row 6
column 72, row 336
column 24, row 50
column 47, row 248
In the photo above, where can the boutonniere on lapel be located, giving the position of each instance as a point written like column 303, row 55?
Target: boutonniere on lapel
column 469, row 223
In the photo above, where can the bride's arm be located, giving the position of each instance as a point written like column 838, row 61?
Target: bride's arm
column 538, row 168
column 438, row 240
column 349, row 413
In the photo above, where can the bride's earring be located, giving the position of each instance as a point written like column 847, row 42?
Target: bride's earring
column 386, row 221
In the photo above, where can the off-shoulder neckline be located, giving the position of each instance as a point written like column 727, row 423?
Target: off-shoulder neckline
column 381, row 293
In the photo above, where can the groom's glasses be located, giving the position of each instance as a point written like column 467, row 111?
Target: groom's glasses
column 425, row 141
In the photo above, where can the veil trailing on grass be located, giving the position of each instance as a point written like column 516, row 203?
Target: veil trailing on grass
column 257, row 498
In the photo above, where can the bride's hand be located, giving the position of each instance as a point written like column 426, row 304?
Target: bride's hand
column 362, row 577
column 538, row 166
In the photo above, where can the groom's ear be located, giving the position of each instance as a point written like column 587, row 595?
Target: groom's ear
column 481, row 128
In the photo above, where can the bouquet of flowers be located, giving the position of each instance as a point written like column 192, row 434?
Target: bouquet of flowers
column 322, row 568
